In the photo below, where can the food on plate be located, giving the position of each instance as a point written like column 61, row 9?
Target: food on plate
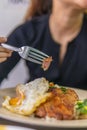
column 60, row 106
column 43, row 99
column 46, row 63
column 81, row 109
column 29, row 97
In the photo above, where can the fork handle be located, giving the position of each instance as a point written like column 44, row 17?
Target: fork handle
column 10, row 47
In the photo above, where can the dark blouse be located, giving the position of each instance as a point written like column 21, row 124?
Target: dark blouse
column 36, row 33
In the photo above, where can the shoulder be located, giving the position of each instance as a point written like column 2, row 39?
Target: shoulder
column 38, row 20
column 35, row 23
column 30, row 29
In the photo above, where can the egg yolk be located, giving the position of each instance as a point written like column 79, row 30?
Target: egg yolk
column 17, row 100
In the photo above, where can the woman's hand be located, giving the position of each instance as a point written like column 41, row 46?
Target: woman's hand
column 4, row 53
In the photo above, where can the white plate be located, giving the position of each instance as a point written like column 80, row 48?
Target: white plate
column 36, row 122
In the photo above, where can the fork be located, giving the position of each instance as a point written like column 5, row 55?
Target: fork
column 28, row 53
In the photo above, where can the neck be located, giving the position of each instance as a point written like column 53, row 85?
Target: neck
column 68, row 19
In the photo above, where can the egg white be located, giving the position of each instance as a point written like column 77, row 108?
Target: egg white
column 34, row 92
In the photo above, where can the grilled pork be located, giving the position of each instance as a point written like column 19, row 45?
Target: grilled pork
column 59, row 106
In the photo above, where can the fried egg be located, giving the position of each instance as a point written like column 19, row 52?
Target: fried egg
column 28, row 97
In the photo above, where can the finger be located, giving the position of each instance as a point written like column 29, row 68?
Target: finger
column 3, row 39
column 2, row 59
column 3, row 54
column 4, row 50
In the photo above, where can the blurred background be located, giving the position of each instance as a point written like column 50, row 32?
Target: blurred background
column 12, row 13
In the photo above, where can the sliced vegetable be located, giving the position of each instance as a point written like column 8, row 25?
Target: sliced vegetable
column 63, row 89
column 81, row 107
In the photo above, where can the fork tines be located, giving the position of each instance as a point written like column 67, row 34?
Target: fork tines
column 36, row 56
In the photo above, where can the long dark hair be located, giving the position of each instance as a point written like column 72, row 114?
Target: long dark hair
column 38, row 7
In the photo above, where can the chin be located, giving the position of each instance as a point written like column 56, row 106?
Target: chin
column 79, row 4
column 82, row 4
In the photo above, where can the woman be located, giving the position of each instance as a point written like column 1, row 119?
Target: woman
column 59, row 29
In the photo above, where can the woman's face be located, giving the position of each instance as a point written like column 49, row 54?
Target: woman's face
column 79, row 4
